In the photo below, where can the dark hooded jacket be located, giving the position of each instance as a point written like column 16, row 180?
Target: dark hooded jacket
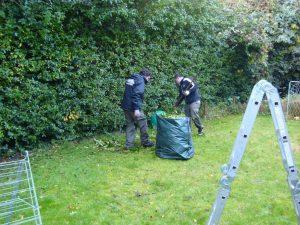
column 134, row 93
column 194, row 95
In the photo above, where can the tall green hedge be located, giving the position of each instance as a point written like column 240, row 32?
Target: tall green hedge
column 64, row 63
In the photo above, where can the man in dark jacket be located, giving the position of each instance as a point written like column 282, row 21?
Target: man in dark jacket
column 132, row 106
column 189, row 91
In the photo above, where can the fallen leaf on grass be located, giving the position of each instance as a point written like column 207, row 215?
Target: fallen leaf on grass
column 138, row 194
column 109, row 144
column 72, row 213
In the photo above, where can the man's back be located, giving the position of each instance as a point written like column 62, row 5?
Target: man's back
column 134, row 93
column 194, row 94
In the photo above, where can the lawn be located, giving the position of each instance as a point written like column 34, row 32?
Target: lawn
column 84, row 183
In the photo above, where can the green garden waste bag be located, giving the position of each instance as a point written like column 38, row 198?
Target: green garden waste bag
column 153, row 118
column 174, row 139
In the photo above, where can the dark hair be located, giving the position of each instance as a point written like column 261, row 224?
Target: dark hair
column 177, row 74
column 145, row 72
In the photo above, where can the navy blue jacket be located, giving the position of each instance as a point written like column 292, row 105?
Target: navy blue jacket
column 134, row 93
column 194, row 95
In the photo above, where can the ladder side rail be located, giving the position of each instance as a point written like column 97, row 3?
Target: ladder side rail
column 280, row 128
column 237, row 153
column 285, row 148
column 245, row 131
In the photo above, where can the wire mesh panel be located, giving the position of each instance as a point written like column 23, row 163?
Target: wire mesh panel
column 293, row 102
column 18, row 200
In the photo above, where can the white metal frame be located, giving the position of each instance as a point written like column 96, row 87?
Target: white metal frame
column 291, row 92
column 18, row 199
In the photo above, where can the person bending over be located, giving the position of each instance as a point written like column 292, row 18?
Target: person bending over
column 189, row 91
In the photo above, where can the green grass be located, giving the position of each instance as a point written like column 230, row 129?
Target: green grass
column 81, row 183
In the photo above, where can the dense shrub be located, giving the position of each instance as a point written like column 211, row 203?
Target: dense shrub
column 266, row 35
column 63, row 63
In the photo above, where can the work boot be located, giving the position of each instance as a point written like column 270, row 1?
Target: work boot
column 200, row 131
column 148, row 144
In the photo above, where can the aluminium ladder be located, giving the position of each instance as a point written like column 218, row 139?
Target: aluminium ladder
column 229, row 171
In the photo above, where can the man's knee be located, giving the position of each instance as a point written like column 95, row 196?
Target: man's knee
column 194, row 112
column 143, row 125
column 194, row 108
column 130, row 127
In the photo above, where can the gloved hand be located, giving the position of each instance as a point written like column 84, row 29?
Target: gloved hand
column 186, row 93
column 137, row 113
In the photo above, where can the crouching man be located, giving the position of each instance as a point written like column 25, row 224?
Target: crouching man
column 132, row 106
column 189, row 91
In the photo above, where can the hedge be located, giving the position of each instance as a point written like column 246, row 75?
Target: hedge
column 64, row 63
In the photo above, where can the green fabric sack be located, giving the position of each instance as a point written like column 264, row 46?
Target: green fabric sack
column 153, row 119
column 174, row 139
